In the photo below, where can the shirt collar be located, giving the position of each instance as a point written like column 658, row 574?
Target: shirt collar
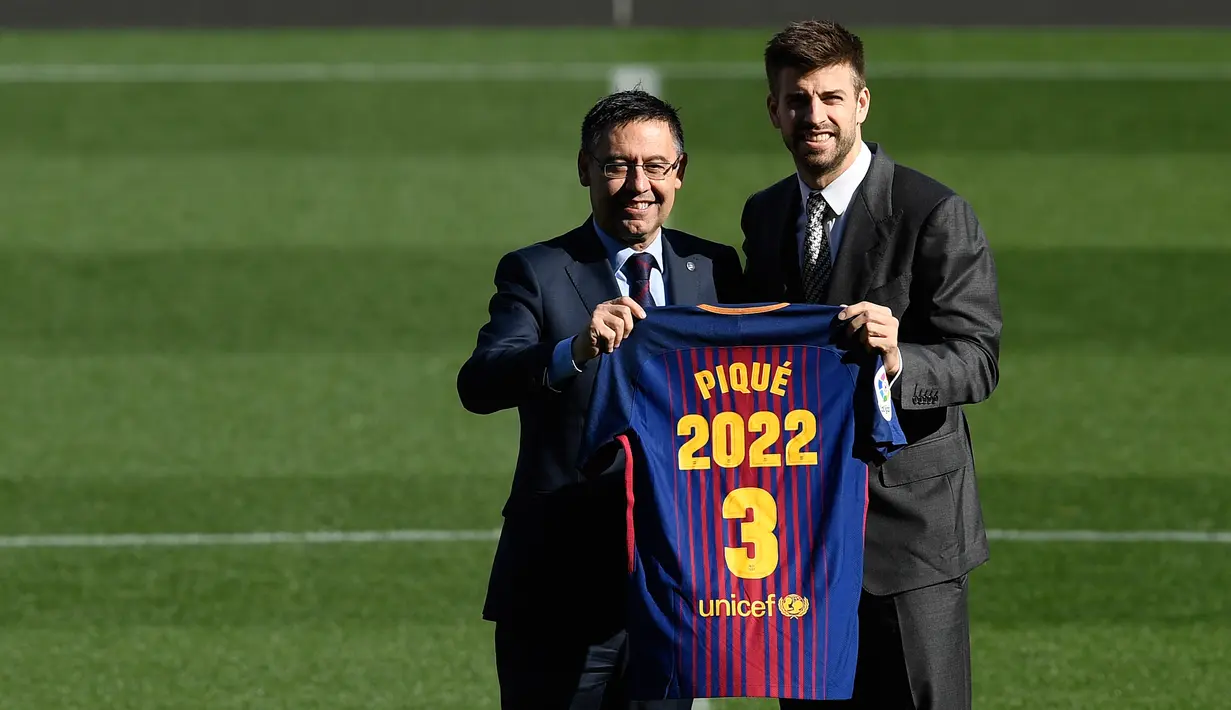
column 839, row 193
column 618, row 253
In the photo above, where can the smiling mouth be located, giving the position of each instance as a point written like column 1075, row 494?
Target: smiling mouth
column 818, row 138
column 638, row 207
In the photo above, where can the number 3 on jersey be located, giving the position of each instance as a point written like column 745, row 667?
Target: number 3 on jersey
column 759, row 531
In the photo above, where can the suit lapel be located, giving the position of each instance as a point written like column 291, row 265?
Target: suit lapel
column 590, row 271
column 788, row 231
column 865, row 233
column 685, row 285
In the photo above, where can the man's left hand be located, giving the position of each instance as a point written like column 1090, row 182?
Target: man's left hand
column 877, row 329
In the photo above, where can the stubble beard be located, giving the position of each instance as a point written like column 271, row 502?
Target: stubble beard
column 821, row 165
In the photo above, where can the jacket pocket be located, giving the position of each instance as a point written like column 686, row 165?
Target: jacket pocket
column 924, row 460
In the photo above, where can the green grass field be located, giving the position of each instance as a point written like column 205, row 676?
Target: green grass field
column 240, row 306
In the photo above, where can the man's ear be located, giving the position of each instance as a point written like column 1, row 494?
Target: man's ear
column 583, row 168
column 771, row 105
column 864, row 103
column 679, row 171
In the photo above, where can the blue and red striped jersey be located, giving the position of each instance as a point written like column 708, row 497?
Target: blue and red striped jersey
column 748, row 433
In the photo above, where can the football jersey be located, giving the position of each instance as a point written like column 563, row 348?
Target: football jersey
column 747, row 432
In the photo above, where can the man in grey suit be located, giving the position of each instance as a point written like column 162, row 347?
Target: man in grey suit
column 907, row 259
column 557, row 584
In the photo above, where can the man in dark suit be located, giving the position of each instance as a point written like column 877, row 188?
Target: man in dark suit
column 907, row 259
column 557, row 584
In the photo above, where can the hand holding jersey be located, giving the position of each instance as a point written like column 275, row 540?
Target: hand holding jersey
column 877, row 329
column 609, row 325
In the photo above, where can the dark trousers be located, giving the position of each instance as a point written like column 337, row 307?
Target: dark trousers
column 914, row 652
column 549, row 668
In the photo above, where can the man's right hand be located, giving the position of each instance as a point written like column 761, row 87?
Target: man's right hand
column 609, row 325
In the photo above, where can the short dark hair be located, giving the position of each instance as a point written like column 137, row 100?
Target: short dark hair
column 623, row 108
column 810, row 45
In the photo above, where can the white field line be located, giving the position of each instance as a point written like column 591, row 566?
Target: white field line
column 1184, row 536
column 250, row 539
column 446, row 536
column 356, row 72
column 631, row 76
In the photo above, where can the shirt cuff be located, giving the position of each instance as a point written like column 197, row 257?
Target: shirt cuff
column 562, row 367
column 901, row 367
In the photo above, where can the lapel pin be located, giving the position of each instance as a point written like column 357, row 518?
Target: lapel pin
column 690, row 266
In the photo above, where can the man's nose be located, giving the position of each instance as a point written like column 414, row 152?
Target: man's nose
column 816, row 111
column 637, row 180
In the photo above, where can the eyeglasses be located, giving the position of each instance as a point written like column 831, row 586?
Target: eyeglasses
column 653, row 171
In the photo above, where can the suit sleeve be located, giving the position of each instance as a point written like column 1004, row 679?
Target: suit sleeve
column 956, row 275
column 509, row 362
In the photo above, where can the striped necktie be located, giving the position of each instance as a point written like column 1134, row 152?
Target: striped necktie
column 637, row 268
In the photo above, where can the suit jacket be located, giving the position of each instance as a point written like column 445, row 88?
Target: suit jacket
column 562, row 554
column 910, row 244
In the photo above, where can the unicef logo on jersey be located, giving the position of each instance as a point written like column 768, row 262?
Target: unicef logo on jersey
column 883, row 395
column 793, row 606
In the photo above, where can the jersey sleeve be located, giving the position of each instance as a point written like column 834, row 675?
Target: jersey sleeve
column 610, row 412
column 879, row 433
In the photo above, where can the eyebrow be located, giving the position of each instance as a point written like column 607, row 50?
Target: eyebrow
column 651, row 159
column 798, row 94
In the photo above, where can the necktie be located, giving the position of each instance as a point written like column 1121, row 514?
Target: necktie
column 816, row 249
column 637, row 268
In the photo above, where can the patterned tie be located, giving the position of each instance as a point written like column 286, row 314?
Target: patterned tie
column 637, row 269
column 816, row 249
